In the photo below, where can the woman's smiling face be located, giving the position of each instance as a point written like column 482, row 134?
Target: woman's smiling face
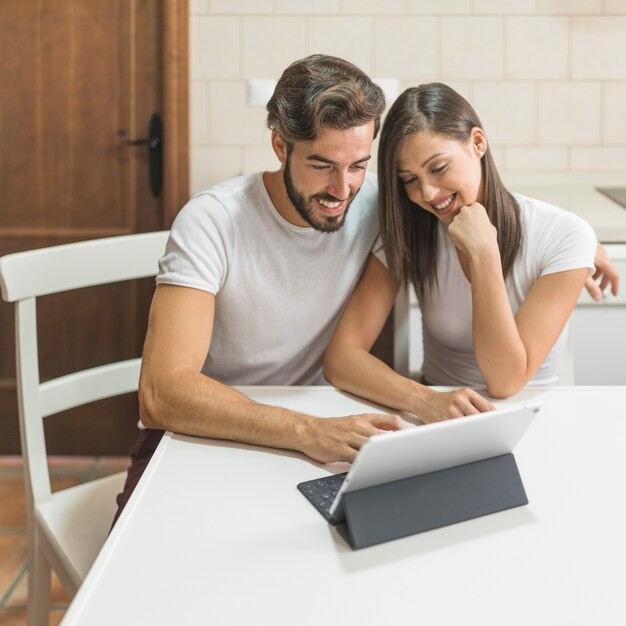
column 441, row 174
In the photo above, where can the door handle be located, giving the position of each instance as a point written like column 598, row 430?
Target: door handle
column 154, row 141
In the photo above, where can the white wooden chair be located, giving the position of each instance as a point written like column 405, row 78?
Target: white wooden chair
column 67, row 529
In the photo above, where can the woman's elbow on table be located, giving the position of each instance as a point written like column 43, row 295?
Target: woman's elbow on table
column 332, row 369
column 504, row 387
column 501, row 392
column 329, row 371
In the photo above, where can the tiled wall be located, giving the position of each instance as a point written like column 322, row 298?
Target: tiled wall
column 547, row 77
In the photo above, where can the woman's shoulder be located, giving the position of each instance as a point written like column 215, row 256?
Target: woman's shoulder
column 555, row 235
column 543, row 216
column 535, row 206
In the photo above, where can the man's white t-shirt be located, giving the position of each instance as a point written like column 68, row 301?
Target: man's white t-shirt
column 280, row 289
column 554, row 240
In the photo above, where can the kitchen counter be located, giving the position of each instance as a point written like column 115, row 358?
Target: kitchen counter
column 577, row 193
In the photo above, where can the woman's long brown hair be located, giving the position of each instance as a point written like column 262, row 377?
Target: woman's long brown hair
column 409, row 232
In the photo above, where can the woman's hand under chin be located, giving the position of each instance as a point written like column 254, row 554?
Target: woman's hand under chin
column 472, row 232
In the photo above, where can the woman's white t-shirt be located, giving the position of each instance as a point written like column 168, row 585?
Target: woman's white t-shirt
column 554, row 240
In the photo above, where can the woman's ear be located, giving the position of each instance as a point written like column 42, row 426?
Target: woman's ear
column 280, row 148
column 478, row 140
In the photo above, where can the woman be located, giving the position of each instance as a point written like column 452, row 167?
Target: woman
column 497, row 275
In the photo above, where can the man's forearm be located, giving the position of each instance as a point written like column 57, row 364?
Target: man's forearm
column 194, row 404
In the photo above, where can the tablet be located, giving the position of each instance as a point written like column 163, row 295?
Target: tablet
column 417, row 450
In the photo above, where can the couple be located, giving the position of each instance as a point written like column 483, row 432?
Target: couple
column 263, row 273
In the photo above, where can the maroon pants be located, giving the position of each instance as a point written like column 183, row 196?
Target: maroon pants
column 140, row 455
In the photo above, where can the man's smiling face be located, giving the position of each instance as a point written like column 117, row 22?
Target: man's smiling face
column 323, row 176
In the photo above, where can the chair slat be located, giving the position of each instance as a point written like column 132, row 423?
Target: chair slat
column 71, row 266
column 97, row 383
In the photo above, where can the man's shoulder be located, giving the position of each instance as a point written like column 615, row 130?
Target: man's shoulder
column 222, row 202
column 231, row 192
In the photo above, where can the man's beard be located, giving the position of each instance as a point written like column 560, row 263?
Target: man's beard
column 324, row 224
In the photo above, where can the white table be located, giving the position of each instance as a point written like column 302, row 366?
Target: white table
column 216, row 533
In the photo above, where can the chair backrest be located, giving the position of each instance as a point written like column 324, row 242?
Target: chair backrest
column 24, row 277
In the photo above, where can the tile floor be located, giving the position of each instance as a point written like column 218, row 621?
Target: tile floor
column 65, row 471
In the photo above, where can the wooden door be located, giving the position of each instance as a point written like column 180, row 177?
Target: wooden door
column 73, row 74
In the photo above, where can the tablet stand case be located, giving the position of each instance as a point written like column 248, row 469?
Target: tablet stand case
column 413, row 505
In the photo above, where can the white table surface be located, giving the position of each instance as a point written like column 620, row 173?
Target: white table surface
column 217, row 533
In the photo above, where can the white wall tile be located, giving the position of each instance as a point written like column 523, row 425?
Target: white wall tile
column 198, row 7
column 214, row 45
column 449, row 7
column 212, row 165
column 548, row 77
column 300, row 7
column 253, row 7
column 406, row 47
column 472, row 48
column 599, row 158
column 599, row 47
column 510, row 7
column 270, row 44
column 347, row 37
column 536, row 159
column 199, row 113
column 615, row 7
column 570, row 7
column 537, row 47
column 499, row 156
column 414, row 82
column 507, row 111
column 569, row 113
column 372, row 7
column 232, row 121
column 614, row 119
column 259, row 159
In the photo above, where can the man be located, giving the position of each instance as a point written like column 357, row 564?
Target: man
column 256, row 274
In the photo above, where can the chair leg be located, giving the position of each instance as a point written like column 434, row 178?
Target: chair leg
column 38, row 586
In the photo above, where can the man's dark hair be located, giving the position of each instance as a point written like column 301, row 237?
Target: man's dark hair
column 323, row 91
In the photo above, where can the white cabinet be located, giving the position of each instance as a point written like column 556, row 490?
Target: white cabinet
column 599, row 332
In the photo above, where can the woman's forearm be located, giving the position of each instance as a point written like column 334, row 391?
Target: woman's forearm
column 499, row 349
column 355, row 370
